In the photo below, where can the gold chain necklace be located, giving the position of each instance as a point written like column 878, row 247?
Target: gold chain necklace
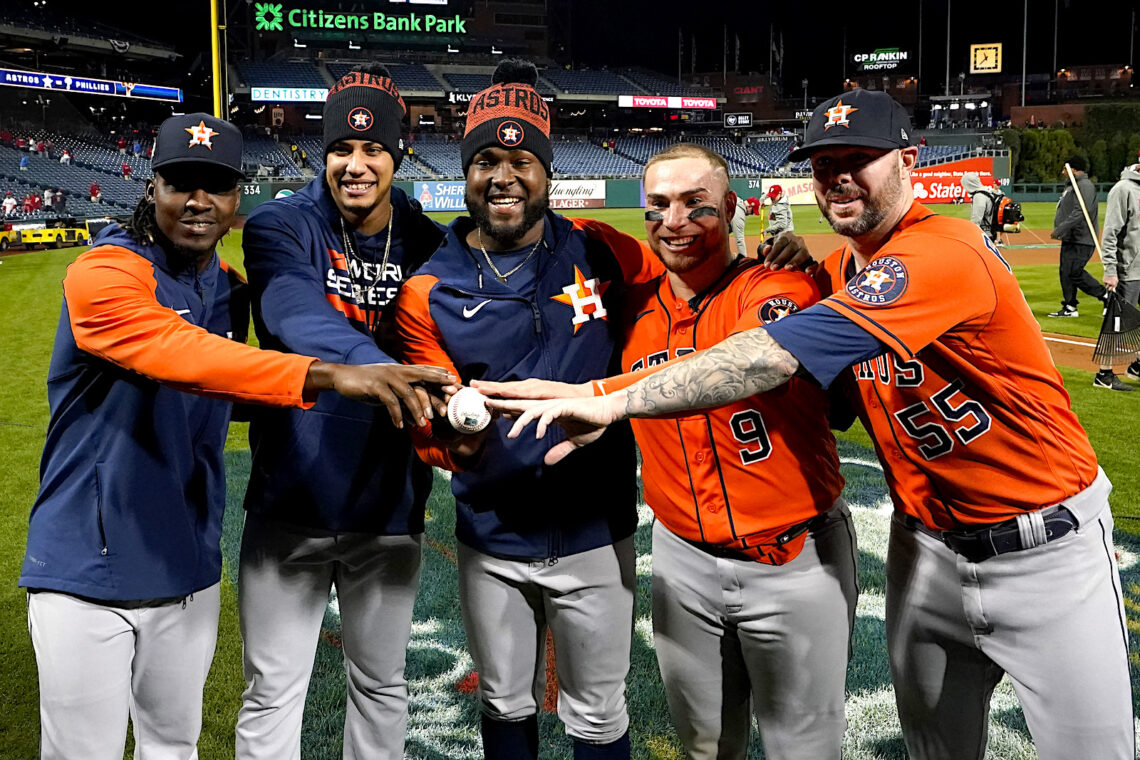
column 502, row 276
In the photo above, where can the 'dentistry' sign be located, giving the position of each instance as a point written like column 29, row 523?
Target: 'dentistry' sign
column 278, row 17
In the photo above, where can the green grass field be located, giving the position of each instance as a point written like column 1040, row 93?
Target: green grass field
column 443, row 722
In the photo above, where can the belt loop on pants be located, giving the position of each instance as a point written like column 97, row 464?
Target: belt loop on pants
column 1024, row 531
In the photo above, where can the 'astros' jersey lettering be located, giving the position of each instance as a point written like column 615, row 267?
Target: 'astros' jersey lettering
column 967, row 410
column 742, row 474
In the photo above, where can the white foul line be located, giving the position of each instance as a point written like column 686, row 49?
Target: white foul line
column 1073, row 342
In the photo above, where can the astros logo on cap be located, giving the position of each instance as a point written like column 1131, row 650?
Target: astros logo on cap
column 360, row 118
column 200, row 135
column 838, row 115
column 510, row 133
column 882, row 282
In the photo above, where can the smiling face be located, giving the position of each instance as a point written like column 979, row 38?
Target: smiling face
column 862, row 191
column 194, row 205
column 692, row 245
column 359, row 175
column 508, row 194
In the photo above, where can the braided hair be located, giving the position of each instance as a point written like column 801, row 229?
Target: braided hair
column 143, row 225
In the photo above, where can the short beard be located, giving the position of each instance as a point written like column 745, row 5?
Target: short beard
column 507, row 236
column 874, row 211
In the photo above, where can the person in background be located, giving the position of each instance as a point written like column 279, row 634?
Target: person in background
column 1077, row 243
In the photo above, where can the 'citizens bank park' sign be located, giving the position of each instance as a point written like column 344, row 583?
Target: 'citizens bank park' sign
column 564, row 193
column 660, row 101
column 277, row 17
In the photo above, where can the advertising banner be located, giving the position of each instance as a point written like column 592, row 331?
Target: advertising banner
column 883, row 59
column 440, row 196
column 578, row 193
column 942, row 183
column 932, row 184
column 661, row 101
column 279, row 17
column 288, row 94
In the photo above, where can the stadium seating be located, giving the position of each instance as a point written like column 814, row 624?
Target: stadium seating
column 590, row 82
column 280, row 74
column 75, row 179
column 96, row 157
column 583, row 159
column 27, row 16
column 407, row 76
column 656, row 84
column 262, row 151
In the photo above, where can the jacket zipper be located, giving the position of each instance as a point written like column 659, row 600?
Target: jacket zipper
column 198, row 288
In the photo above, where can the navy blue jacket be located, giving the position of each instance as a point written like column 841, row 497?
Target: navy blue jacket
column 132, row 481
column 454, row 313
column 341, row 465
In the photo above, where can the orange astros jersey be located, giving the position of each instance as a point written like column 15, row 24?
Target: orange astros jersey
column 967, row 410
column 742, row 474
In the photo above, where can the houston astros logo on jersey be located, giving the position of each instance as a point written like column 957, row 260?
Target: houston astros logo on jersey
column 510, row 133
column 775, row 309
column 200, row 135
column 882, row 282
column 360, row 118
column 585, row 297
column 838, row 115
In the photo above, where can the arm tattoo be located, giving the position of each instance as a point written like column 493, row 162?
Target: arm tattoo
column 738, row 367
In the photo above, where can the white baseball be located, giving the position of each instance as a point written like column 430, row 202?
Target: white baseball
column 467, row 411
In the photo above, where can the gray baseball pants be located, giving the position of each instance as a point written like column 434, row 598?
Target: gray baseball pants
column 286, row 574
column 1051, row 617
column 735, row 636
column 99, row 665
column 586, row 601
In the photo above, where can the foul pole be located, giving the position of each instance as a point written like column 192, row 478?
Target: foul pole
column 216, row 60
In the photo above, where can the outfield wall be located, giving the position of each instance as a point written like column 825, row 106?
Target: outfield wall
column 932, row 184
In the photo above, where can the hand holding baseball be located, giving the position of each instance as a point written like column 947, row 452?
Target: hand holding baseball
column 467, row 411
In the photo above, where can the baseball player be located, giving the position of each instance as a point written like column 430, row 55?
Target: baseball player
column 123, row 559
column 1001, row 558
column 779, row 212
column 754, row 584
column 1120, row 252
column 738, row 221
column 336, row 494
column 515, row 291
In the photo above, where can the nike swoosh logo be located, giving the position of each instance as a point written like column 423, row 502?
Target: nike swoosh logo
column 180, row 312
column 468, row 313
column 645, row 313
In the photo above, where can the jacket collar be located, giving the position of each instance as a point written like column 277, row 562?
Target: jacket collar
column 455, row 263
column 176, row 266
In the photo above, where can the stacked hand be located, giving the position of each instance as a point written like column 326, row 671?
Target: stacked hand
column 583, row 416
column 399, row 387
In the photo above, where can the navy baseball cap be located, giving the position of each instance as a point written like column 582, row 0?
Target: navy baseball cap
column 198, row 138
column 859, row 117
